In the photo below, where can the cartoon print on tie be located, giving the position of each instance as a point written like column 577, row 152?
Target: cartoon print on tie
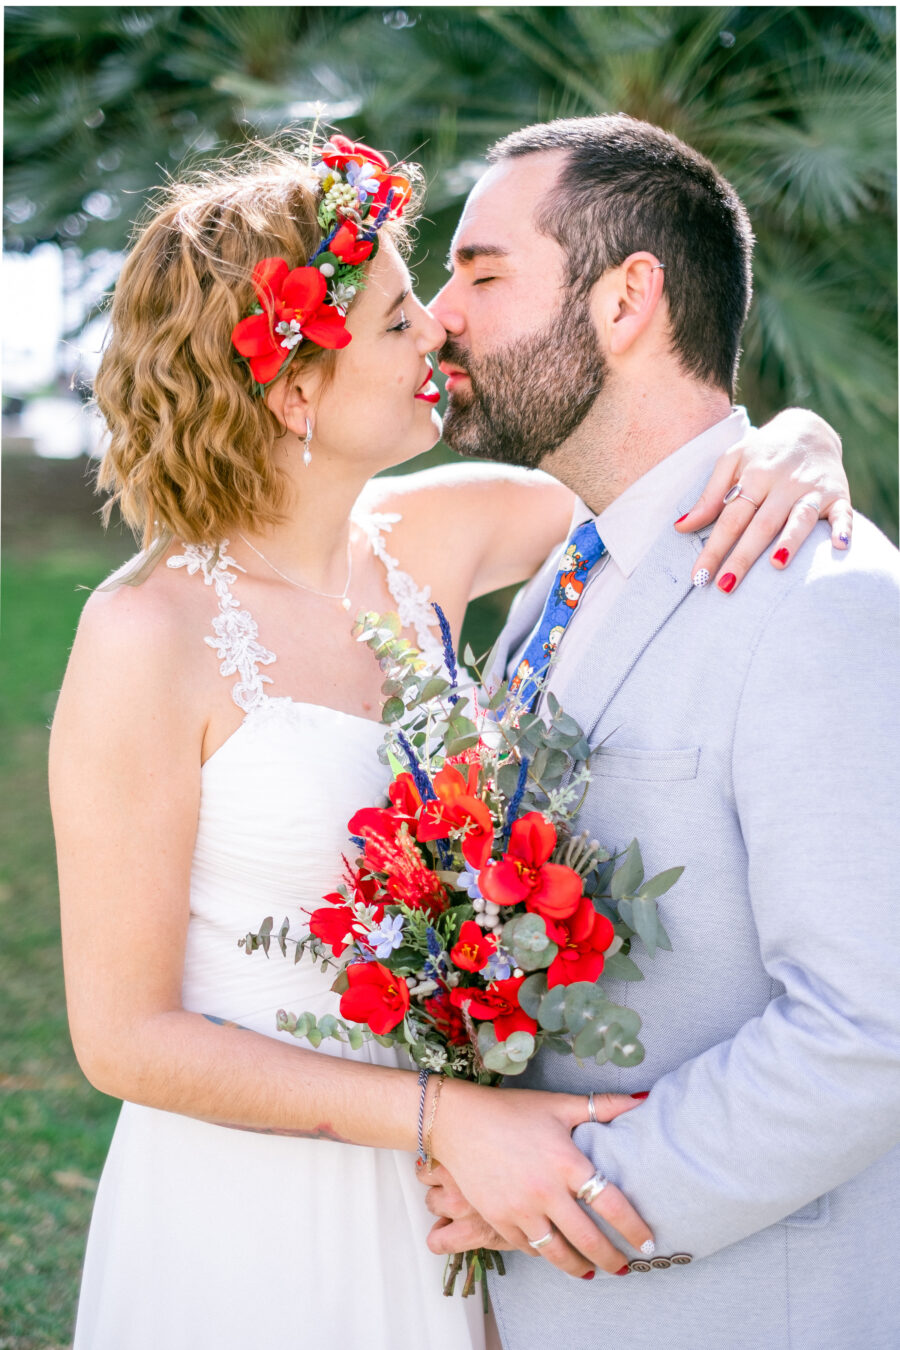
column 523, row 670
column 553, row 638
column 573, row 560
column 569, row 589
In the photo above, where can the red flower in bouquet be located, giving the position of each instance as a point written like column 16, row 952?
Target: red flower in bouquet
column 405, row 797
column 333, row 924
column 376, row 996
column 447, row 1019
column 347, row 246
column 456, row 808
column 582, row 940
column 474, row 948
column 524, row 874
column 293, row 309
column 498, row 1004
column 391, row 849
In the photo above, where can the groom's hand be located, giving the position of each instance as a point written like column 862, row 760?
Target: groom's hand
column 459, row 1227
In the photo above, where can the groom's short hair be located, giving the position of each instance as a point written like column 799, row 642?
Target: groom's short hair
column 628, row 186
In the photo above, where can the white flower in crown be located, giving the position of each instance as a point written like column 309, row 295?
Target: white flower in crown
column 291, row 332
column 341, row 295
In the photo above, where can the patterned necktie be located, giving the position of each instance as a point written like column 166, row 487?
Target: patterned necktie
column 583, row 550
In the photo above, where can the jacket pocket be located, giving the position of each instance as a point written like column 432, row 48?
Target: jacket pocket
column 649, row 766
column 813, row 1215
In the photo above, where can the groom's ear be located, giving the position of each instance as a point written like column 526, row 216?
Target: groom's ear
column 627, row 300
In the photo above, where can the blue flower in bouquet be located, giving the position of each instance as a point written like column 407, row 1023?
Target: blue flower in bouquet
column 499, row 966
column 388, row 936
column 468, row 882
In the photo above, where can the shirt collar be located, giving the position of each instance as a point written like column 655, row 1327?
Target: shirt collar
column 630, row 524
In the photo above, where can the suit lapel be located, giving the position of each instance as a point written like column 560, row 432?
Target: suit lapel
column 588, row 675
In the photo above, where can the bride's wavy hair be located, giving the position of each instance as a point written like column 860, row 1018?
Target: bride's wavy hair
column 190, row 440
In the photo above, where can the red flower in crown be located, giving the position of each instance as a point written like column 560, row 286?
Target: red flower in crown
column 524, row 874
column 339, row 151
column 347, row 246
column 293, row 310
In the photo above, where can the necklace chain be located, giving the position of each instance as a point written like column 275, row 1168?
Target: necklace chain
column 326, row 595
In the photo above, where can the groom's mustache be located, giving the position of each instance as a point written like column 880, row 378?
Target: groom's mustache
column 454, row 355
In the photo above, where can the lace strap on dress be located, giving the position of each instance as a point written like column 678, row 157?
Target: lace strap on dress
column 236, row 635
column 413, row 604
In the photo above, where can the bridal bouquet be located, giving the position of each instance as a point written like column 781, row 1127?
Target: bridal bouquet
column 474, row 924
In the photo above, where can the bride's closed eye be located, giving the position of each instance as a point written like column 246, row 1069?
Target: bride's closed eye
column 402, row 326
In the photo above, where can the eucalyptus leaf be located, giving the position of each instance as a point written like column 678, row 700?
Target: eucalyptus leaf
column 519, row 1046
column 556, row 1044
column 469, row 656
column 625, row 1054
column 584, row 1003
column 590, row 1040
column 356, row 1038
column 551, row 1013
column 314, row 1036
column 455, row 745
column 486, row 1038
column 662, row 937
column 626, row 880
column 393, row 710
column 498, row 699
column 531, row 992
column 434, row 688
column 342, row 983
column 658, row 885
column 328, row 1025
column 621, row 967
column 507, row 778
column 645, row 922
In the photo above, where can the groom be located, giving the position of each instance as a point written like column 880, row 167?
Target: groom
column 601, row 277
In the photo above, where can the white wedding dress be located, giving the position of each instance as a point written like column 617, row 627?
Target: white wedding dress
column 209, row 1238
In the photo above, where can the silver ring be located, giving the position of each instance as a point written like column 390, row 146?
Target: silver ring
column 812, row 502
column 541, row 1242
column 592, row 1188
column 592, row 1114
column 736, row 491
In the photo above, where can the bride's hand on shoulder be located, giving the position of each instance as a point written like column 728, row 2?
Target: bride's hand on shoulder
column 510, row 1172
column 790, row 476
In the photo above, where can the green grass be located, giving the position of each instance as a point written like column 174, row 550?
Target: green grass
column 54, row 1127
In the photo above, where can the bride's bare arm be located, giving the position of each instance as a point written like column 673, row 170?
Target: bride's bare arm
column 125, row 790
column 500, row 523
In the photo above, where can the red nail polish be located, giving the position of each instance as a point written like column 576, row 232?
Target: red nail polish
column 623, row 1271
column 681, row 518
column 640, row 1094
column 781, row 556
column 728, row 582
column 588, row 1276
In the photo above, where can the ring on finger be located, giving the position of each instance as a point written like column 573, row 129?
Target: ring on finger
column 592, row 1188
column 736, row 491
column 813, row 502
column 539, row 1243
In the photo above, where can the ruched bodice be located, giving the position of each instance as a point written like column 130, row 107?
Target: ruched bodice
column 192, row 1217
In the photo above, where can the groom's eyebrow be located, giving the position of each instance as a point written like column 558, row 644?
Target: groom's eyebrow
column 467, row 253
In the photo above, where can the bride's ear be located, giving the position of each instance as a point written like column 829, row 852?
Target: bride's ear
column 290, row 399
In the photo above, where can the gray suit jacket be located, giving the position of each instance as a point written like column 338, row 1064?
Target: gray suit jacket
column 753, row 738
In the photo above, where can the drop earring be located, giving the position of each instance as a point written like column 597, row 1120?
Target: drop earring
column 307, row 453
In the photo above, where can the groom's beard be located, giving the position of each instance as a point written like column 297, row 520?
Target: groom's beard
column 526, row 399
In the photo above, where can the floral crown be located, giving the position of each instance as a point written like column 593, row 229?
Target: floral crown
column 309, row 304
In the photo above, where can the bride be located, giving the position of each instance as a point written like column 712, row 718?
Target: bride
column 216, row 728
